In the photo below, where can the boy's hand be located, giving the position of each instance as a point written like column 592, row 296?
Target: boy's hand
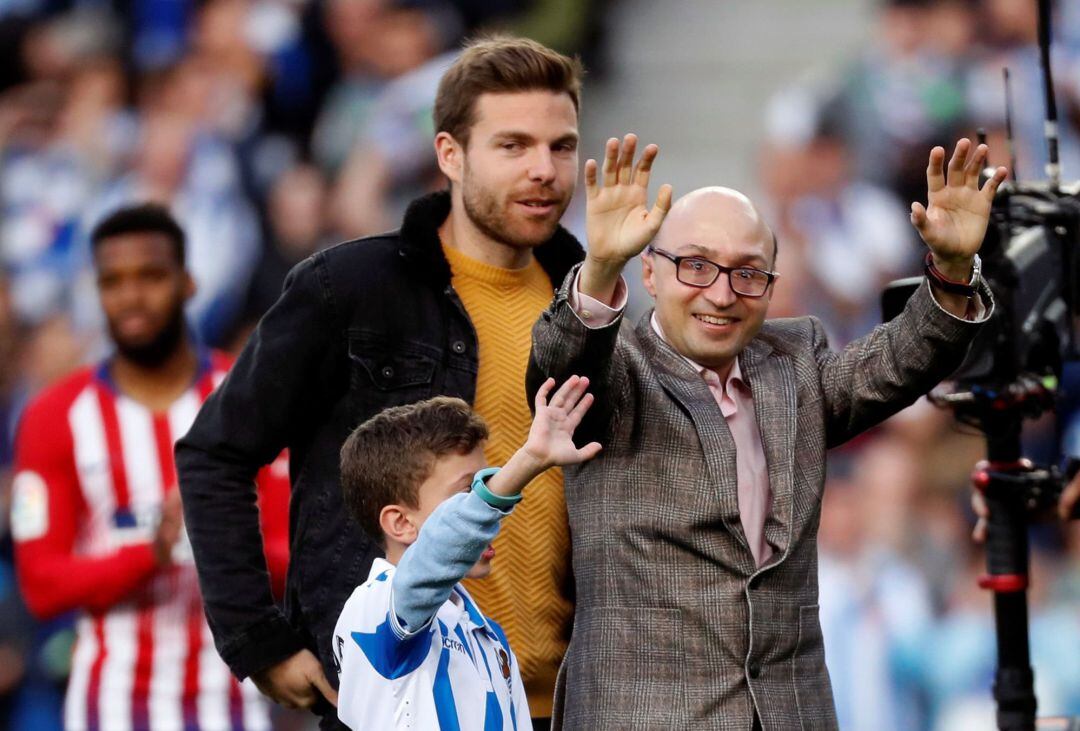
column 551, row 438
column 550, row 441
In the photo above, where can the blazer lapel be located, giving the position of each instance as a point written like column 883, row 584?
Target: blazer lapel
column 772, row 382
column 686, row 386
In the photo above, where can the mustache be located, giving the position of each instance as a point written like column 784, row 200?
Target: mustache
column 161, row 345
column 547, row 192
column 133, row 313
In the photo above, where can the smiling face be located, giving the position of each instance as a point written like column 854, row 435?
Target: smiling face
column 710, row 325
column 515, row 176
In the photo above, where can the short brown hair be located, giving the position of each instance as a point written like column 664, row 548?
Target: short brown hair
column 500, row 64
column 385, row 459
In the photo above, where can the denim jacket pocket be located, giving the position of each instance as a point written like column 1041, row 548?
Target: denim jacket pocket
column 382, row 376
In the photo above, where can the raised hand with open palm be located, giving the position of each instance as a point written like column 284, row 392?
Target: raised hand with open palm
column 953, row 223
column 551, row 437
column 618, row 221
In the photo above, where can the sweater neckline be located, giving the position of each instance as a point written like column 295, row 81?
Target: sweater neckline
column 463, row 265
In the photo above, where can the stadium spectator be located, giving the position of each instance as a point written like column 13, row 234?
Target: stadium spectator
column 1011, row 35
column 375, row 41
column 903, row 95
column 392, row 162
column 297, row 223
column 195, row 173
column 848, row 236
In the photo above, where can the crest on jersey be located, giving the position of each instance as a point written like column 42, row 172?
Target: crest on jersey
column 338, row 653
column 504, row 663
column 29, row 506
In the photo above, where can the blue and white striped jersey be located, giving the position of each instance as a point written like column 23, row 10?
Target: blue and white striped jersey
column 456, row 673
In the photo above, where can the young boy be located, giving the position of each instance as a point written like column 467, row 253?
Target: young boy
column 413, row 649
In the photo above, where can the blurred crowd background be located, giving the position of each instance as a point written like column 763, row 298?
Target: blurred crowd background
column 276, row 127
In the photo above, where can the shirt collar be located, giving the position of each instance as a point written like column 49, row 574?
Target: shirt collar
column 459, row 598
column 380, row 570
column 204, row 365
column 473, row 611
column 734, row 375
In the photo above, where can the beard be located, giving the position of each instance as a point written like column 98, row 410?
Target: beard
column 152, row 353
column 487, row 212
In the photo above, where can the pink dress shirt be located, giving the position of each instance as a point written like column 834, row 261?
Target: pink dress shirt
column 736, row 403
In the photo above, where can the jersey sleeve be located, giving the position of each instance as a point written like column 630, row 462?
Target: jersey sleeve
column 450, row 542
column 366, row 642
column 47, row 507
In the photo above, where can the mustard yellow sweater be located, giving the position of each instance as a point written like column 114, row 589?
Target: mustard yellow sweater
column 527, row 591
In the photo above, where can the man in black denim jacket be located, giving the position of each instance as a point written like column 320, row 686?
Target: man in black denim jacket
column 360, row 327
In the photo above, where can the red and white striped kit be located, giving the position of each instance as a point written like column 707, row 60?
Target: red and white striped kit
column 93, row 467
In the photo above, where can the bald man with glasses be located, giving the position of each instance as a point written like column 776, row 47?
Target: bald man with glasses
column 694, row 531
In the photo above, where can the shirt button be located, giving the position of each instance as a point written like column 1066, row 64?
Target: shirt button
column 458, row 347
column 387, row 372
column 586, row 314
column 754, row 672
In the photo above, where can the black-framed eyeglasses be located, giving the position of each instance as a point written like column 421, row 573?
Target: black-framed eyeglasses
column 697, row 271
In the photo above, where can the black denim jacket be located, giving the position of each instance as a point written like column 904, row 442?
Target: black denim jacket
column 359, row 327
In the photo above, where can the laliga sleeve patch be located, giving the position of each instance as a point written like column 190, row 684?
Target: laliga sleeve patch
column 29, row 506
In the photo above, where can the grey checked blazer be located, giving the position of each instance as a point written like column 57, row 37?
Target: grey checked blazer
column 676, row 628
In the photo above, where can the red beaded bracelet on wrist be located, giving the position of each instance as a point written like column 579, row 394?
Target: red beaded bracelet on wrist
column 964, row 289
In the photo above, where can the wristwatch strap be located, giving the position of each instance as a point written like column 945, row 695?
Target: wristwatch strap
column 964, row 289
column 499, row 502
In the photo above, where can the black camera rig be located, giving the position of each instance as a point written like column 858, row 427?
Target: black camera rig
column 1013, row 372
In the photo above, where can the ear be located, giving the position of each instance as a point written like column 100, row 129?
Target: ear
column 190, row 288
column 771, row 289
column 397, row 525
column 647, row 273
column 450, row 155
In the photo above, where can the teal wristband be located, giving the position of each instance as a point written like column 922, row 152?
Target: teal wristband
column 499, row 502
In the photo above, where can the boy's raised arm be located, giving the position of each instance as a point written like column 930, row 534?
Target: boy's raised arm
column 454, row 536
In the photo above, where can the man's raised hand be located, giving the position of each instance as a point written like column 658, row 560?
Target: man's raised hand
column 953, row 224
column 618, row 222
